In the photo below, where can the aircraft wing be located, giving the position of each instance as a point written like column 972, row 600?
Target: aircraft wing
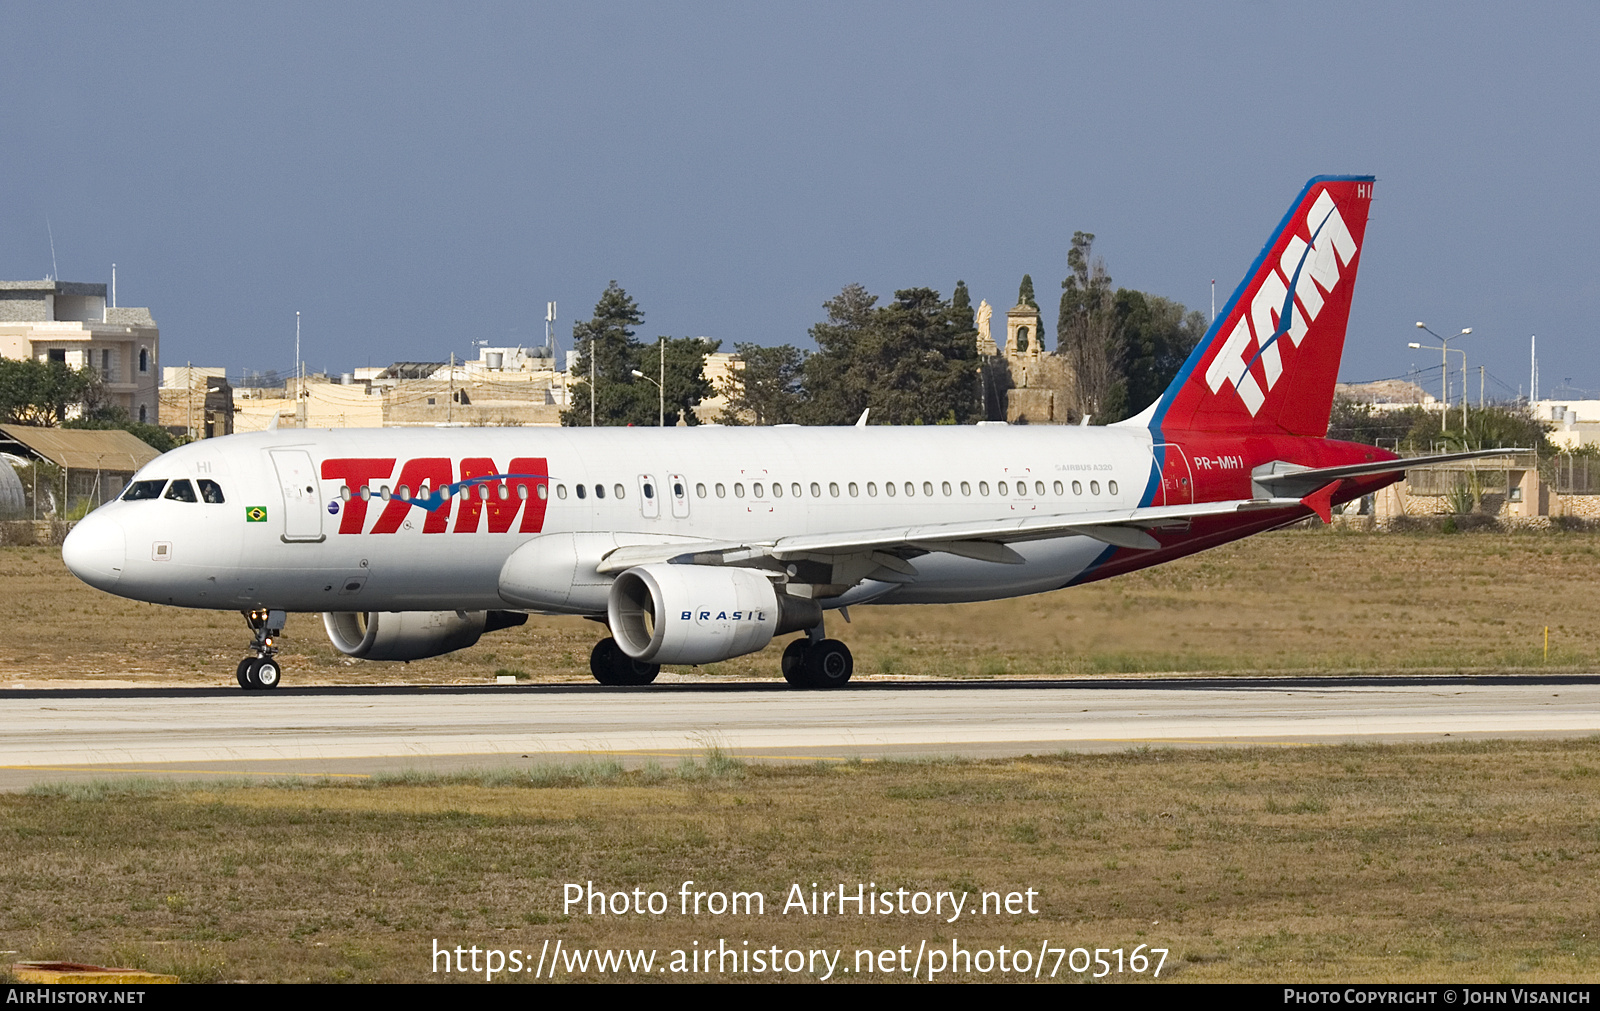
column 980, row 539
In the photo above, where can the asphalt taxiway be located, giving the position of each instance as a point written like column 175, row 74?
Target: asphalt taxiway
column 67, row 734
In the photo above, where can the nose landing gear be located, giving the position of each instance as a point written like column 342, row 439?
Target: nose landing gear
column 262, row 671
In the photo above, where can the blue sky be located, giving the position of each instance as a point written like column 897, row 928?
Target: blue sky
column 415, row 177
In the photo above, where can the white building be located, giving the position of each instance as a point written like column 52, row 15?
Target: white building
column 69, row 322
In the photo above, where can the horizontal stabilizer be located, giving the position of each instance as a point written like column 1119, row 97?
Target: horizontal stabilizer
column 1289, row 480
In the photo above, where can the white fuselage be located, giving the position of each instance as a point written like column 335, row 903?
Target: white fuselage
column 706, row 483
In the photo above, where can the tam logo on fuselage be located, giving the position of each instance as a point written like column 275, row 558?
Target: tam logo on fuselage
column 1290, row 297
column 484, row 494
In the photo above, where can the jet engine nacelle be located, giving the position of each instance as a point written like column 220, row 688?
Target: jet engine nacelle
column 693, row 614
column 411, row 635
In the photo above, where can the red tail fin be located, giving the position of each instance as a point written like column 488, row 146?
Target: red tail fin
column 1269, row 361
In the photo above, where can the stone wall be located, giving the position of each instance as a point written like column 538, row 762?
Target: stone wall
column 17, row 533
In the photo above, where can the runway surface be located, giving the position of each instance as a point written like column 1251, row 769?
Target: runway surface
column 55, row 735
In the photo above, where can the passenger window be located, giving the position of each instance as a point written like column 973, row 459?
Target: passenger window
column 344, row 492
column 721, row 490
column 1003, row 488
column 1077, row 487
column 911, row 489
column 795, row 489
column 966, row 489
column 211, row 492
column 522, row 492
column 677, row 490
column 619, row 491
column 581, row 490
column 872, row 489
column 700, row 491
column 366, row 494
column 738, row 490
column 1059, row 489
column 816, row 490
column 755, row 490
column 649, row 492
column 1111, row 486
column 1038, row 488
column 383, row 492
column 777, row 490
column 143, row 490
column 1094, row 487
column 181, row 491
column 599, row 491
column 888, row 488
column 983, row 487
column 853, row 490
column 404, row 492
column 561, row 491
column 833, row 488
column 544, row 492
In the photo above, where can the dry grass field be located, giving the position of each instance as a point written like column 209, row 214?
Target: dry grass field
column 1465, row 862
column 1291, row 601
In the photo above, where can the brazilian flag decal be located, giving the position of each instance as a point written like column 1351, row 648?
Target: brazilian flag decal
column 255, row 514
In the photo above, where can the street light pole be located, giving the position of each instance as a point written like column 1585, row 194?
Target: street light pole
column 1444, row 376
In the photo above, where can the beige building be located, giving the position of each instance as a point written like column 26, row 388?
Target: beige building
column 70, row 322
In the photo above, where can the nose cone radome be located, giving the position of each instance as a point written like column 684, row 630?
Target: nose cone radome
column 96, row 551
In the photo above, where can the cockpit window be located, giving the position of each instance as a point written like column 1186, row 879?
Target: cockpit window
column 144, row 489
column 181, row 491
column 210, row 492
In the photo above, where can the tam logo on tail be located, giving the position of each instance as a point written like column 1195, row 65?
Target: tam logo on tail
column 1244, row 377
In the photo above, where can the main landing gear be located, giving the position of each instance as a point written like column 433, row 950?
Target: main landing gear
column 812, row 662
column 817, row 662
column 611, row 666
column 262, row 671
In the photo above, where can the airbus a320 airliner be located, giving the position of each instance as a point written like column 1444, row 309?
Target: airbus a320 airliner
column 695, row 545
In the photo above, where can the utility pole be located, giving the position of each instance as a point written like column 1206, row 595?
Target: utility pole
column 661, row 387
column 1480, row 387
column 450, row 405
column 300, row 377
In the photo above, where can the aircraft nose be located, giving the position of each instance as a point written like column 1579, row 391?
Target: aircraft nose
column 96, row 551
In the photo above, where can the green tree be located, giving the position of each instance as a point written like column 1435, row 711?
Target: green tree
column 608, row 337
column 834, row 396
column 40, row 393
column 114, row 418
column 1086, row 326
column 1151, row 339
column 961, row 306
column 913, row 361
column 766, row 388
column 686, row 383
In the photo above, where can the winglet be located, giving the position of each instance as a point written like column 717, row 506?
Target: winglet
column 861, row 422
column 1321, row 501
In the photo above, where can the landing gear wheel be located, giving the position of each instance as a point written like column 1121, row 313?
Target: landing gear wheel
column 794, row 663
column 267, row 673
column 247, row 673
column 828, row 664
column 611, row 666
